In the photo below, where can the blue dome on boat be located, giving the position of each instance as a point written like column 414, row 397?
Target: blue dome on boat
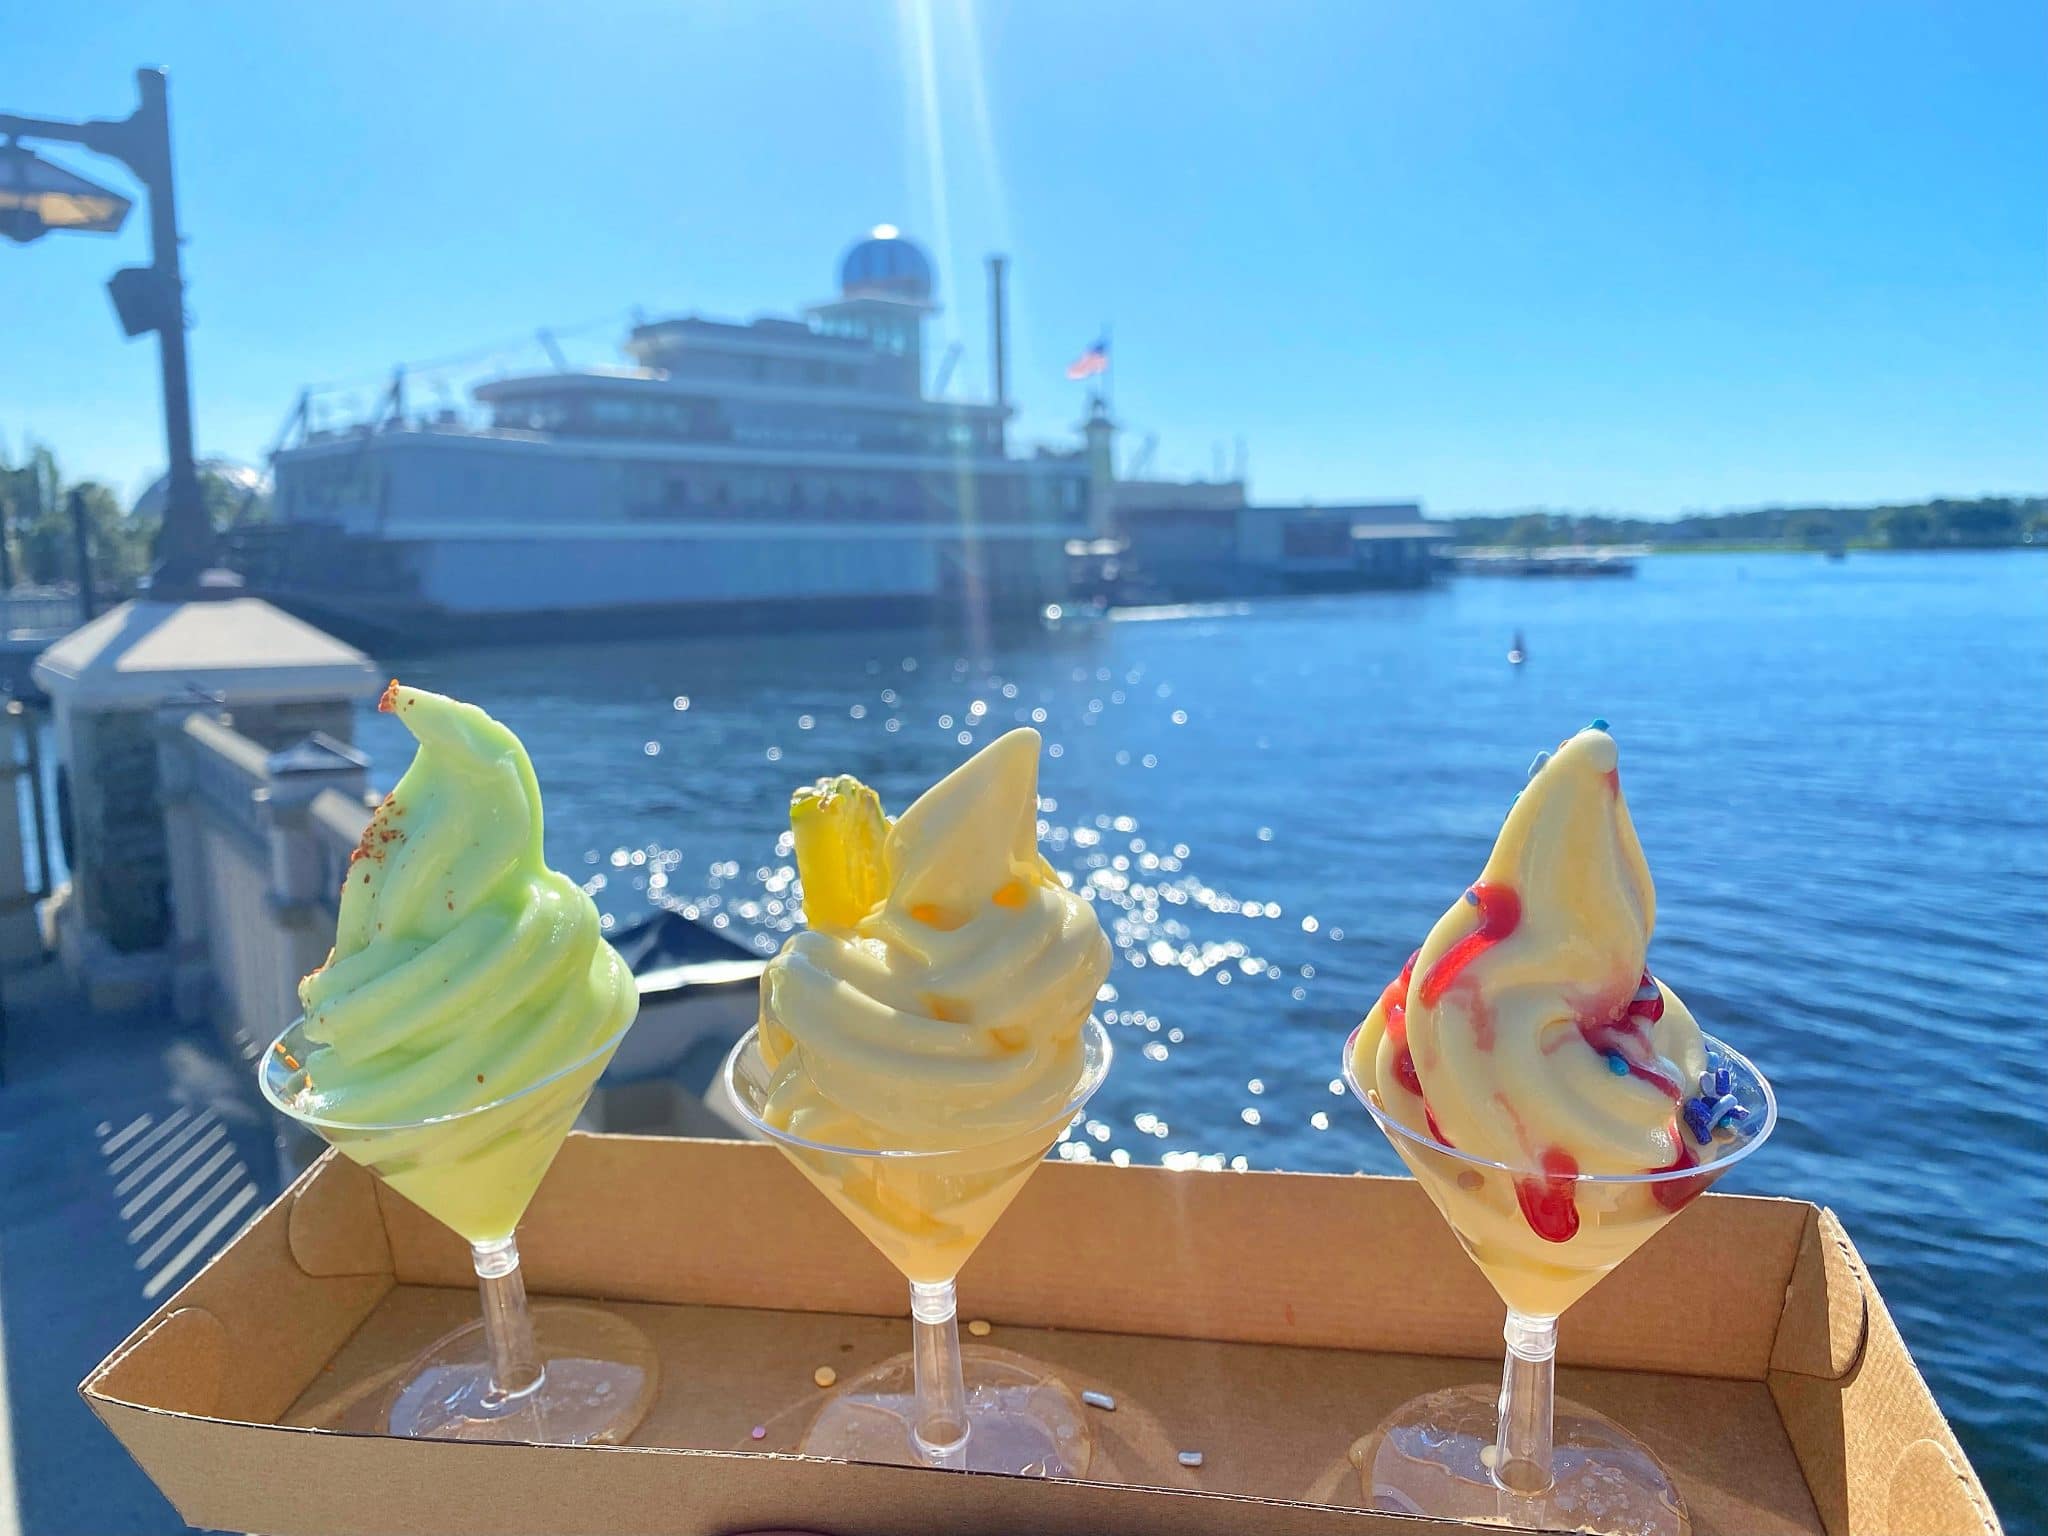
column 886, row 264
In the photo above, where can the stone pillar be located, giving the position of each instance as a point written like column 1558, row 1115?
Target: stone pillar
column 107, row 680
column 191, row 974
column 21, row 938
column 117, row 833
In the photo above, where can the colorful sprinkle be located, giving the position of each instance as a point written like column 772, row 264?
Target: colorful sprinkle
column 1598, row 724
column 979, row 1328
column 1537, row 766
column 1190, row 1458
column 1100, row 1400
column 758, row 1432
column 1703, row 1116
column 1472, row 896
column 1696, row 1113
column 1617, row 1063
column 824, row 1375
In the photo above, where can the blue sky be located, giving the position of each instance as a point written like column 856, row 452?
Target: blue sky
column 1622, row 255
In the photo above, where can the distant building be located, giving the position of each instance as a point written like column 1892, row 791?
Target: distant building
column 785, row 471
column 1203, row 539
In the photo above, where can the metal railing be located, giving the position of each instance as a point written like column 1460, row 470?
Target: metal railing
column 34, row 613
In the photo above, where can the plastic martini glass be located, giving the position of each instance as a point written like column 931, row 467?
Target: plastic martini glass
column 1518, row 1456
column 981, row 1410
column 570, row 1375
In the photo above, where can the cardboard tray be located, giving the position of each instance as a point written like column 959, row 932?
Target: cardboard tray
column 1266, row 1320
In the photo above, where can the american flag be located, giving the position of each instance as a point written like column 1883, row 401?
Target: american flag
column 1095, row 360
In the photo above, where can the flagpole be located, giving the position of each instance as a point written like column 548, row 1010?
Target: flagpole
column 1109, row 371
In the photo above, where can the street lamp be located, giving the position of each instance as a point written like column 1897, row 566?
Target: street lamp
column 36, row 197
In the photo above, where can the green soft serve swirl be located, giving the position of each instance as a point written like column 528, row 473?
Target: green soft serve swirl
column 464, row 970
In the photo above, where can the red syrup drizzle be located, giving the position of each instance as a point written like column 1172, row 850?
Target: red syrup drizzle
column 1629, row 1038
column 1547, row 1203
column 1500, row 912
column 1394, row 1010
column 1676, row 1194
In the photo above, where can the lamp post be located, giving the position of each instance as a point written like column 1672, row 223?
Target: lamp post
column 36, row 197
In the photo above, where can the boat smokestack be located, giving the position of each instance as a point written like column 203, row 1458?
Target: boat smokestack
column 998, row 327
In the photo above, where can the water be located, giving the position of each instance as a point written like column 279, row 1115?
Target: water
column 1836, row 771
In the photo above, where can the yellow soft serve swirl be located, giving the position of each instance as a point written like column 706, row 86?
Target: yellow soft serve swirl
column 464, row 970
column 1529, row 1025
column 939, row 995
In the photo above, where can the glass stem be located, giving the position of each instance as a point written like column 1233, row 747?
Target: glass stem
column 941, row 1429
column 1528, row 1391
column 516, row 1367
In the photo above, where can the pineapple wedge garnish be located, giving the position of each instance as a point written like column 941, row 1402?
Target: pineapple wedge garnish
column 840, row 833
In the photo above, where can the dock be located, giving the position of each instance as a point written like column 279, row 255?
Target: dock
column 1557, row 560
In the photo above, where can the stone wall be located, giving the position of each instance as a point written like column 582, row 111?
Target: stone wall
column 115, row 812
column 257, row 841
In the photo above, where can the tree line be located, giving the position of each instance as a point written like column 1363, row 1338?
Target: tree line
column 38, row 539
column 1983, row 522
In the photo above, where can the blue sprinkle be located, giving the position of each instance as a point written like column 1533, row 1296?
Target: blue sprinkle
column 1537, row 766
column 1473, row 897
column 1724, row 1081
column 1617, row 1063
column 1699, row 1120
column 1709, row 1084
column 1598, row 724
column 1704, row 1116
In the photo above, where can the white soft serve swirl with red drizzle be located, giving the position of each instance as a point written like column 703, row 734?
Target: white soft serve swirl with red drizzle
column 1527, row 1030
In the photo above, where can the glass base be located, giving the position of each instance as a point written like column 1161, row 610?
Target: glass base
column 1021, row 1418
column 598, row 1381
column 1434, row 1455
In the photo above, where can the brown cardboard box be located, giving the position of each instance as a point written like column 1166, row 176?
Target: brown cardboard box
column 1267, row 1320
